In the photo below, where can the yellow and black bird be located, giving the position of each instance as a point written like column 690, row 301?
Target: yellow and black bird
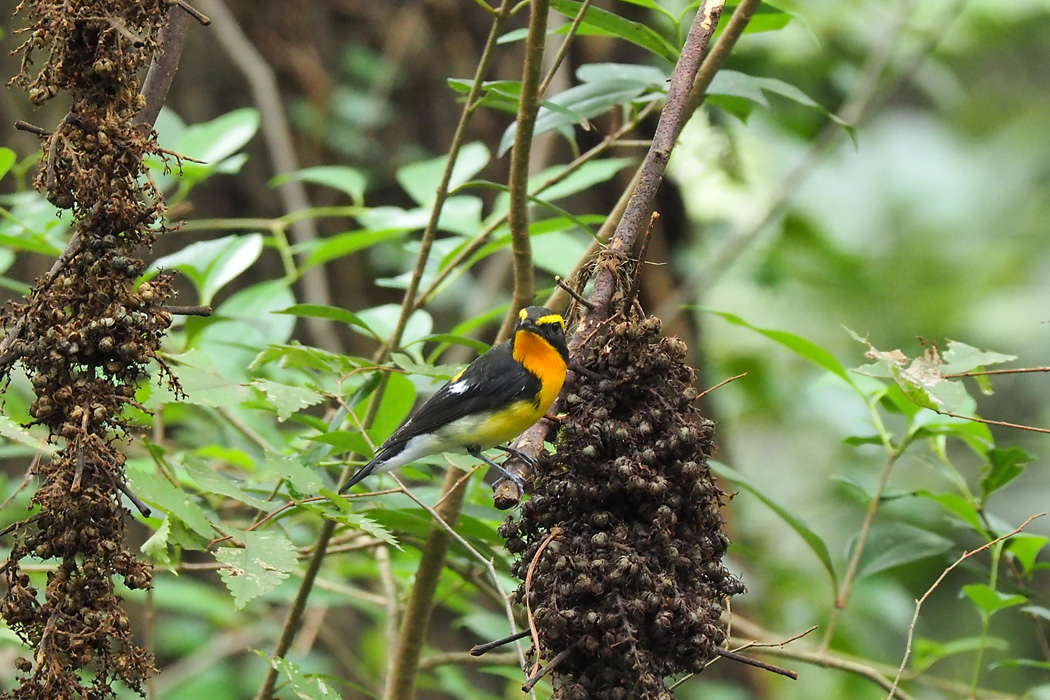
column 495, row 398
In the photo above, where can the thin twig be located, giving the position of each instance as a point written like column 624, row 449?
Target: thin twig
column 720, row 384
column 988, row 421
column 480, row 649
column 202, row 310
column 987, row 372
column 862, row 537
column 31, row 128
column 732, row 655
column 194, row 12
column 628, row 301
column 931, row 589
column 536, row 677
column 555, row 531
column 563, row 50
column 576, row 296
column 458, row 658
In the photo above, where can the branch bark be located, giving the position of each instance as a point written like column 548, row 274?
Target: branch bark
column 635, row 219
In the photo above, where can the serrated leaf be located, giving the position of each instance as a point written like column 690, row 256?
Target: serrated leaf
column 814, row 541
column 211, row 481
column 173, row 501
column 156, row 547
column 890, row 545
column 342, row 510
column 203, row 386
column 304, row 357
column 303, row 686
column 256, row 569
column 339, row 177
column 301, row 478
column 1026, row 548
column 288, row 399
column 990, row 601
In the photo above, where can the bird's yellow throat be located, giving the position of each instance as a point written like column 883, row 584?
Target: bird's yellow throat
column 541, row 359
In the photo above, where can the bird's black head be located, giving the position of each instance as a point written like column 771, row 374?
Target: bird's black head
column 546, row 324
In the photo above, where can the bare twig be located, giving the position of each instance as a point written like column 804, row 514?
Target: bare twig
column 628, row 300
column 31, row 128
column 932, row 588
column 555, row 531
column 536, row 677
column 721, row 384
column 480, row 649
column 862, row 537
column 988, row 421
column 988, row 372
column 733, row 656
column 163, row 67
column 458, row 658
column 194, row 12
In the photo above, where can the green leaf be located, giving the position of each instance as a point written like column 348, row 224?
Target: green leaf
column 958, row 506
column 256, row 569
column 288, row 399
column 203, row 385
column 212, row 482
column 339, row 177
column 589, row 174
column 303, row 357
column 334, row 313
column 157, row 491
column 383, row 319
column 7, row 158
column 802, row 347
column 960, row 358
column 1026, row 548
column 421, row 179
column 156, row 547
column 604, row 22
column 210, row 265
column 1023, row 663
column 342, row 511
column 303, row 686
column 341, row 245
column 732, row 83
column 816, row 544
column 580, row 103
column 1004, row 465
column 989, row 601
column 300, row 477
column 928, row 652
column 221, row 137
column 890, row 545
column 16, row 433
column 767, row 18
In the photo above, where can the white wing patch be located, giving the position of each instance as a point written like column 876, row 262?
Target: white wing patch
column 458, row 387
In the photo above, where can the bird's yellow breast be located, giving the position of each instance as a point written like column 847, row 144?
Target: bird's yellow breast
column 541, row 359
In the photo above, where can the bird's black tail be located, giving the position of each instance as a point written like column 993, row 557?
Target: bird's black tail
column 362, row 473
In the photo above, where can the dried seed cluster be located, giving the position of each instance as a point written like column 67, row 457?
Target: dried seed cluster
column 86, row 336
column 621, row 543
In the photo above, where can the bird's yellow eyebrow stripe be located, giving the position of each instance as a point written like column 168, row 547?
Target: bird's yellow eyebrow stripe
column 523, row 314
column 550, row 318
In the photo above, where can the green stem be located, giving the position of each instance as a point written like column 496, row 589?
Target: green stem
column 528, row 107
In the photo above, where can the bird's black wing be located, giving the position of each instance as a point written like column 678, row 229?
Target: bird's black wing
column 492, row 380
